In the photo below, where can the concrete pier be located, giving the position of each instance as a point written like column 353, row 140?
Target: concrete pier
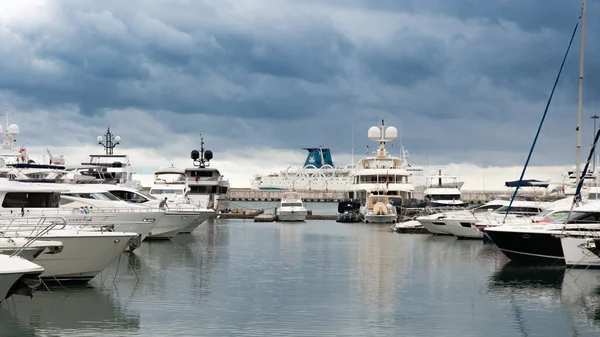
column 247, row 194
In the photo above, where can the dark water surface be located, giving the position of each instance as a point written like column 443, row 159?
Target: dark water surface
column 319, row 278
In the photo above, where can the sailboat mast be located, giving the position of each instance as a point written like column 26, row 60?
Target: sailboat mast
column 580, row 98
column 352, row 166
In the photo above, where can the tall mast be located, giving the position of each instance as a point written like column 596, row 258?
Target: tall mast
column 580, row 98
column 352, row 166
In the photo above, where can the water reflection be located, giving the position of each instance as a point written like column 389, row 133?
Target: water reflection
column 233, row 278
column 77, row 310
column 580, row 292
column 378, row 271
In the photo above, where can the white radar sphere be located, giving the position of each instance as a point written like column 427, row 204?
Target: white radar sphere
column 13, row 129
column 374, row 133
column 391, row 133
column 99, row 139
column 117, row 139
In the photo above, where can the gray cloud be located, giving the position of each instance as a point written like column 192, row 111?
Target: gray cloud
column 465, row 81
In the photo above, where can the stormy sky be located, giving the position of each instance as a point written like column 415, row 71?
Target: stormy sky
column 464, row 81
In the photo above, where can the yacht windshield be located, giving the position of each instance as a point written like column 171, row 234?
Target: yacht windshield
column 519, row 210
column 578, row 218
column 166, row 191
column 486, row 208
column 291, row 204
column 106, row 196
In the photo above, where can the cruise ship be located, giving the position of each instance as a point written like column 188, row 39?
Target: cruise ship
column 319, row 173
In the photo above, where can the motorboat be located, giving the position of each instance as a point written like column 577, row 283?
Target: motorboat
column 379, row 210
column 17, row 276
column 468, row 226
column 291, row 208
column 541, row 243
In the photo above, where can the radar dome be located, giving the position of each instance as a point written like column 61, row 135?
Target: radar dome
column 208, row 155
column 99, row 139
column 391, row 133
column 195, row 155
column 374, row 133
column 117, row 139
column 13, row 129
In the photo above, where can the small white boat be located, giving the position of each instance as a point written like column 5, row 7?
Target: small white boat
column 291, row 208
column 379, row 210
column 407, row 225
column 17, row 276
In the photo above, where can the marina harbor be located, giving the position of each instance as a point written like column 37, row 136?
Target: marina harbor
column 298, row 168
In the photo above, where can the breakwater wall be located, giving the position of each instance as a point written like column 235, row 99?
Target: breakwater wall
column 247, row 194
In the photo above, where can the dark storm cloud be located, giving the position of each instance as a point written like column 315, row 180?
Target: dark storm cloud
column 464, row 80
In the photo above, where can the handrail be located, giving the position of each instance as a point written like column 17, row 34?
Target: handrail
column 41, row 221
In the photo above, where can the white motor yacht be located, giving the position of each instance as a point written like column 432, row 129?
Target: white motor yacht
column 291, row 208
column 443, row 191
column 100, row 201
column 45, row 199
column 188, row 215
column 208, row 188
column 86, row 250
column 17, row 274
column 171, row 183
column 468, row 226
column 382, row 173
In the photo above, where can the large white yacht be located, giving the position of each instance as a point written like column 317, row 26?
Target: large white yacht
column 169, row 182
column 443, row 191
column 208, row 188
column 186, row 213
column 381, row 174
column 31, row 211
column 107, row 168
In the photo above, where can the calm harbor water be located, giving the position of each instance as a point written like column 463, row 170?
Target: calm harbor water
column 319, row 278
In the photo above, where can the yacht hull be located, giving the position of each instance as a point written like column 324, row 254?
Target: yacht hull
column 528, row 247
column 577, row 256
column 291, row 216
column 390, row 218
column 6, row 283
column 437, row 227
column 83, row 256
column 198, row 219
column 463, row 229
column 169, row 226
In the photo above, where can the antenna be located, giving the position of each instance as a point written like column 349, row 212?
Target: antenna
column 110, row 142
column 202, row 158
